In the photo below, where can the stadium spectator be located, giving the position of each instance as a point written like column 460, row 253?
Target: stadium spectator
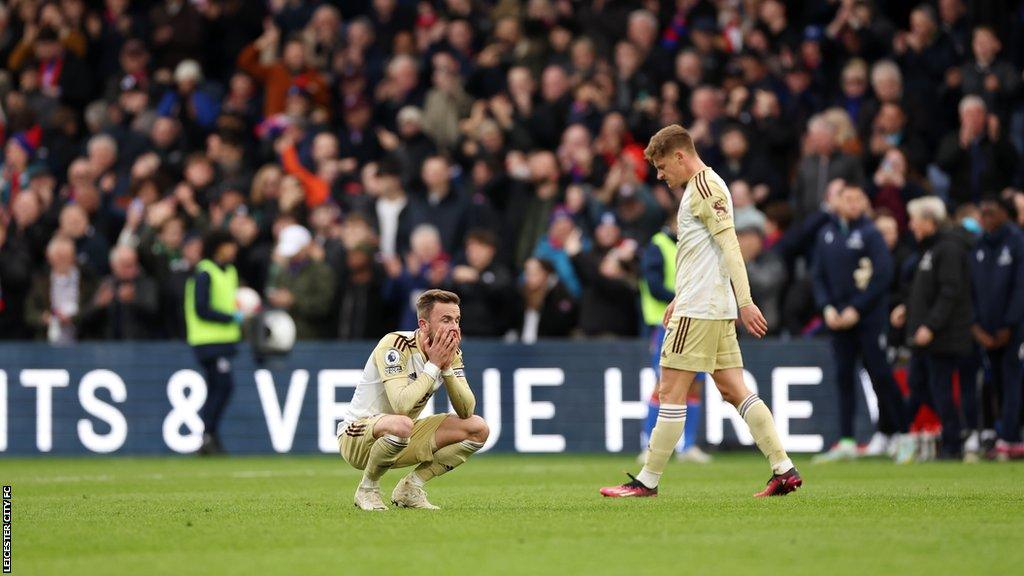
column 126, row 302
column 59, row 75
column 609, row 274
column 302, row 284
column 484, row 285
column 547, row 309
column 425, row 266
column 852, row 274
column 977, row 157
column 765, row 270
column 989, row 76
column 27, row 229
column 392, row 215
column 247, row 117
column 938, row 316
column 441, row 204
column 892, row 186
column 821, row 164
column 279, row 75
column 15, row 280
column 195, row 109
column 60, row 296
column 532, row 199
column 554, row 248
column 741, row 165
column 362, row 310
column 92, row 250
column 997, row 274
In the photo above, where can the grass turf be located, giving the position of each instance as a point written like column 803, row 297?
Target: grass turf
column 510, row 515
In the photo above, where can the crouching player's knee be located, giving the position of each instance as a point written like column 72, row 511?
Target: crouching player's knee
column 400, row 426
column 476, row 429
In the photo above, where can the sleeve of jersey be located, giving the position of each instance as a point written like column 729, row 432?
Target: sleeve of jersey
column 714, row 209
column 459, row 393
column 404, row 394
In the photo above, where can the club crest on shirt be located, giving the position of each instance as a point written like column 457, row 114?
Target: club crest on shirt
column 926, row 261
column 1005, row 258
column 721, row 210
column 856, row 241
column 392, row 357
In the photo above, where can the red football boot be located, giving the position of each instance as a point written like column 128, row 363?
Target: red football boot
column 782, row 484
column 632, row 489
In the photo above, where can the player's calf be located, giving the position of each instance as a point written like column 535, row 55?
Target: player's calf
column 392, row 433
column 458, row 439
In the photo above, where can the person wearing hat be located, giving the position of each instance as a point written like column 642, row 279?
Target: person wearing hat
column 997, row 271
column 555, row 248
column 213, row 328
column 301, row 284
column 765, row 269
column 851, row 274
column 18, row 154
column 608, row 274
column 195, row 109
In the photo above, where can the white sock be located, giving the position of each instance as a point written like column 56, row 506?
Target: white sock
column 648, row 478
column 369, row 484
column 415, row 479
column 782, row 467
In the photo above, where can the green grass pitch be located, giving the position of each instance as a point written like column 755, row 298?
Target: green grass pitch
column 510, row 515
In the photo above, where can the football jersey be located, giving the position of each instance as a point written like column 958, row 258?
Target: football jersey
column 396, row 356
column 703, row 289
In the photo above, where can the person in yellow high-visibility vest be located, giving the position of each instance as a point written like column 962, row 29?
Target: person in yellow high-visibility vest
column 213, row 328
column 657, row 288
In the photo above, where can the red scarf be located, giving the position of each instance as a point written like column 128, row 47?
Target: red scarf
column 49, row 73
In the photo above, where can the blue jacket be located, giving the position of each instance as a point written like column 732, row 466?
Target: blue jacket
column 562, row 263
column 206, row 107
column 997, row 271
column 837, row 254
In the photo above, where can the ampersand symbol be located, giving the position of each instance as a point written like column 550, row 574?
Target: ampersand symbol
column 187, row 392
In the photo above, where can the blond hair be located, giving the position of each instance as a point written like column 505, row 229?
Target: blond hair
column 667, row 140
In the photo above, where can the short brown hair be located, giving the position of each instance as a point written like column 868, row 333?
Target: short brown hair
column 482, row 236
column 667, row 140
column 425, row 303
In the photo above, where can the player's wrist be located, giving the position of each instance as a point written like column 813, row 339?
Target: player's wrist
column 432, row 369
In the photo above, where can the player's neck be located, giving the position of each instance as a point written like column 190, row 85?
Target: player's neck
column 693, row 167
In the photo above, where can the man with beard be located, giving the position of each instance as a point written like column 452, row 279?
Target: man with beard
column 381, row 429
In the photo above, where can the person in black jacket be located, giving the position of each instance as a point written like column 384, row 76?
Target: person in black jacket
column 483, row 285
column 938, row 315
column 547, row 310
column 979, row 157
column 15, row 280
column 609, row 275
column 997, row 270
column 852, row 271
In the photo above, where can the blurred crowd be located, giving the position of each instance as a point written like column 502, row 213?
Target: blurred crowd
column 490, row 147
